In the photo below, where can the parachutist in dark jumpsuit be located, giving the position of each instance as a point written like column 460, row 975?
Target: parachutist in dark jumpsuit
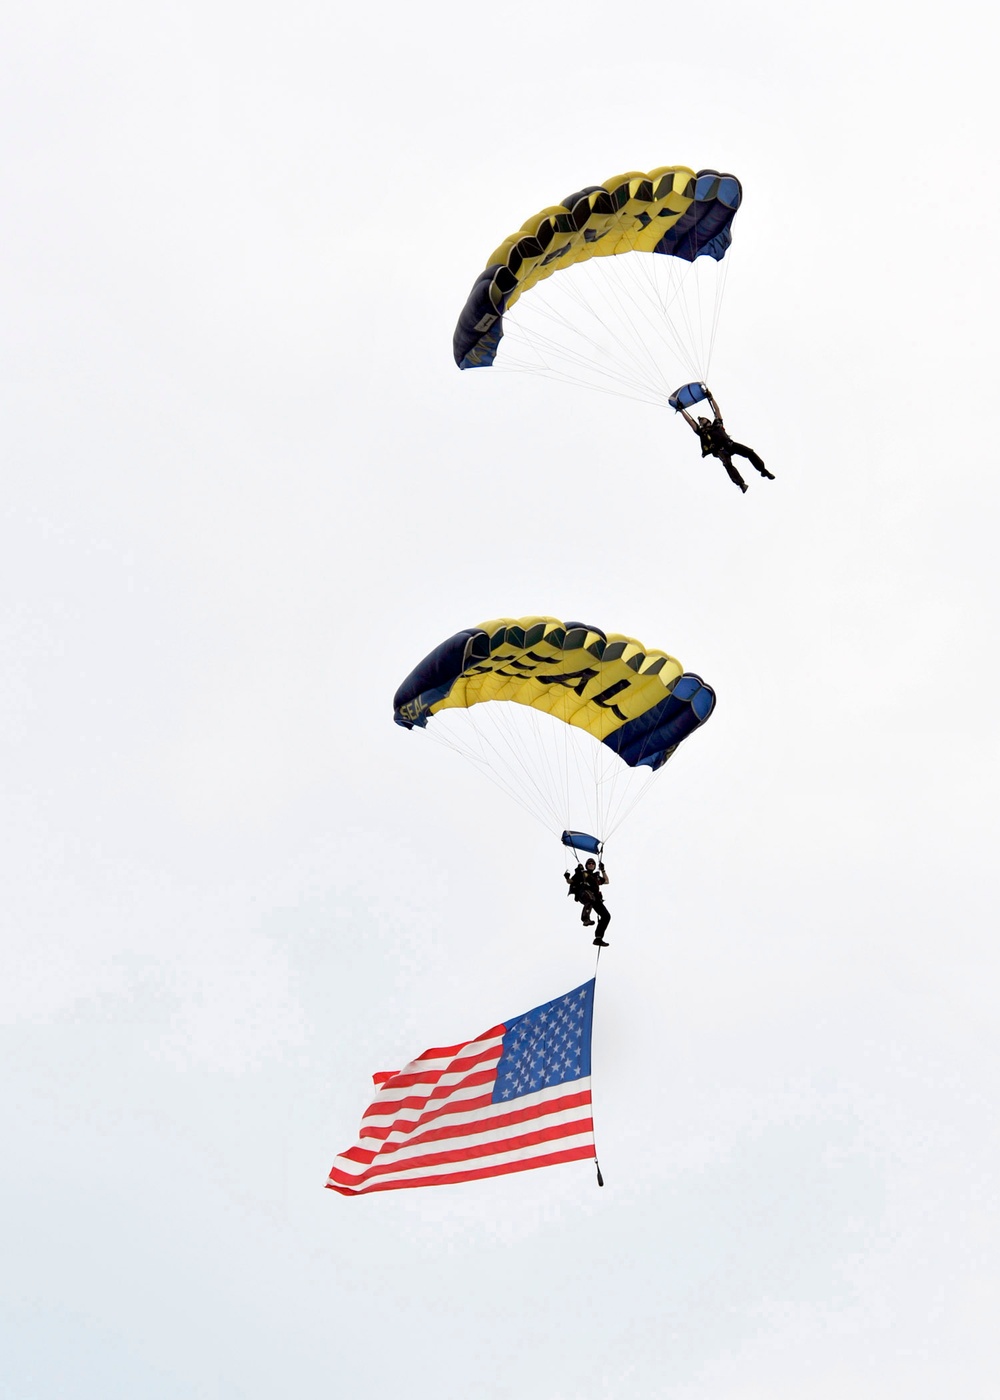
column 585, row 887
column 716, row 442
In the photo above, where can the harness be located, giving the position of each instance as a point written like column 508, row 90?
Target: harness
column 714, row 439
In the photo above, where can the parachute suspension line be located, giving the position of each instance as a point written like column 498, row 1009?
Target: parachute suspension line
column 633, row 280
column 588, row 766
column 596, row 363
column 552, row 767
column 570, row 289
column 592, row 782
column 692, row 338
column 644, row 272
column 698, row 357
column 450, row 735
column 623, row 812
column 693, row 351
column 540, row 812
column 608, row 285
column 614, row 289
column 619, row 815
column 720, row 292
column 567, row 806
column 701, row 317
column 613, row 781
column 558, row 761
column 626, row 348
column 632, row 285
column 503, row 723
column 641, row 272
column 621, row 280
column 556, row 772
column 598, row 764
column 560, row 378
column 572, row 783
column 573, row 292
column 567, row 803
column 516, row 334
column 490, row 773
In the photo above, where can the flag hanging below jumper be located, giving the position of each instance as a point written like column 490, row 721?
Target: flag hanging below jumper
column 514, row 1098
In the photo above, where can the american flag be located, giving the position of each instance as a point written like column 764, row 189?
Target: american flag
column 514, row 1098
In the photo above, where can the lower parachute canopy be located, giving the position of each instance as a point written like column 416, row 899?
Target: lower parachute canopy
column 576, row 703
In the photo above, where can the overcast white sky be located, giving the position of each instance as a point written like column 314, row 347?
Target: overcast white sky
column 245, row 489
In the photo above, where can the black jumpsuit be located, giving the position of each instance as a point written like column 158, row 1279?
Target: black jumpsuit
column 593, row 894
column 716, row 442
column 585, row 887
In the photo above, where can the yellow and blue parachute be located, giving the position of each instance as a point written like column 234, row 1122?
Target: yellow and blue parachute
column 639, row 703
column 670, row 210
column 571, row 721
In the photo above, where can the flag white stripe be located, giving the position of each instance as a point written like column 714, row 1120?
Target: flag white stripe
column 505, row 1133
column 510, row 1132
column 585, row 1138
column 393, row 1092
column 476, row 1047
column 491, row 1110
column 415, row 1112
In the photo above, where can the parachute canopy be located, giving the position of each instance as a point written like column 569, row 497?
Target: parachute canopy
column 638, row 703
column 671, row 210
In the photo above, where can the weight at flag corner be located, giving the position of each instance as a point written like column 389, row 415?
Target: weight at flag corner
column 514, row 1098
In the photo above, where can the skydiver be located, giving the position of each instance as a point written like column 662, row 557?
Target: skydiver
column 716, row 442
column 585, row 887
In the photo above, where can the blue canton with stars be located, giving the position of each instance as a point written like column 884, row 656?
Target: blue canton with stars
column 547, row 1046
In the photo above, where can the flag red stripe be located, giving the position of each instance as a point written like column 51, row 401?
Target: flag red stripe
column 489, row 1124
column 470, row 1153
column 406, row 1078
column 432, row 1106
column 371, row 1134
column 381, row 1107
column 582, row 1153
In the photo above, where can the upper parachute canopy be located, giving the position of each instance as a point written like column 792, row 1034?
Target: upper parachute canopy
column 669, row 210
column 637, row 702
